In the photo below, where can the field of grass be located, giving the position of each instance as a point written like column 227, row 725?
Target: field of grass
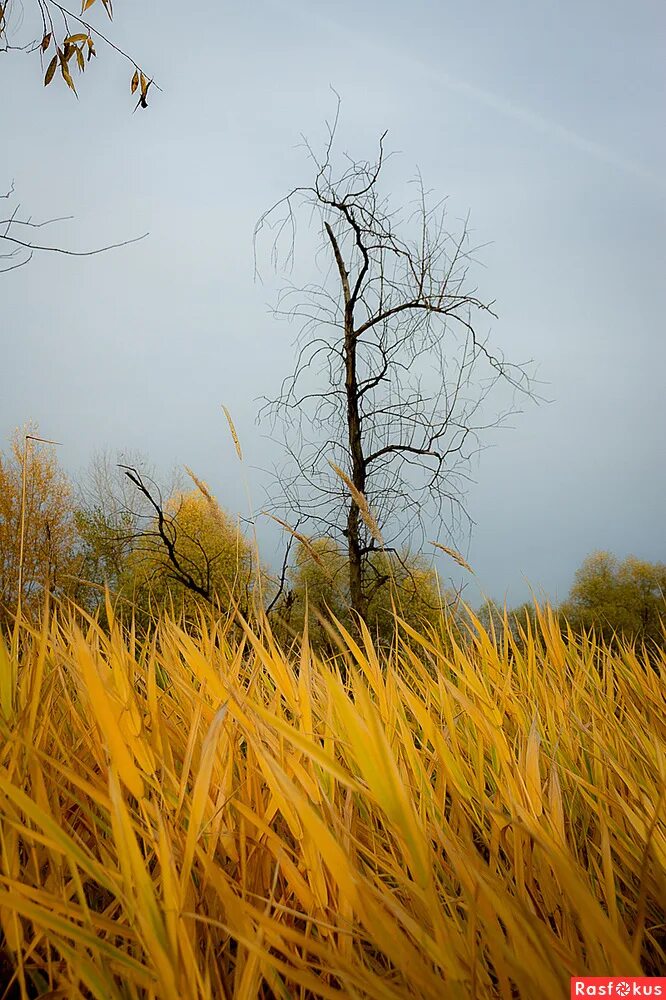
column 200, row 813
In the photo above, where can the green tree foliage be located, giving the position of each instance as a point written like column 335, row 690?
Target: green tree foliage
column 49, row 533
column 320, row 581
column 614, row 597
column 111, row 517
column 104, row 547
column 206, row 558
column 491, row 617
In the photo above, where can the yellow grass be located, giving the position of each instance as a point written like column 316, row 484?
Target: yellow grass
column 203, row 814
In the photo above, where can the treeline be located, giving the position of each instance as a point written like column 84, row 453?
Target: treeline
column 171, row 546
column 156, row 546
column 615, row 598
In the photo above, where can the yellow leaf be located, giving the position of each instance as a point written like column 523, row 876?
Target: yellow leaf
column 67, row 76
column 8, row 681
column 107, row 717
column 86, row 4
column 200, row 797
column 335, row 859
column 136, row 874
column 46, row 41
column 375, row 759
column 50, row 71
column 135, row 80
column 556, row 806
column 55, row 837
column 532, row 772
column 12, row 929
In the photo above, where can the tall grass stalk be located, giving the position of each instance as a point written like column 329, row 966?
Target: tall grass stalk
column 200, row 813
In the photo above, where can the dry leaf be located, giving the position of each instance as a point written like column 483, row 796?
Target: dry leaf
column 50, row 71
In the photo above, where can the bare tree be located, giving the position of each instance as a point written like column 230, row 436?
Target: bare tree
column 392, row 373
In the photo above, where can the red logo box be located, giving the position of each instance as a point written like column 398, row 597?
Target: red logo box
column 618, row 986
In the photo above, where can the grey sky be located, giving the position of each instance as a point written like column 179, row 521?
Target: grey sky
column 543, row 120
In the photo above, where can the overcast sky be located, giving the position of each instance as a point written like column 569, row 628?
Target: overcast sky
column 544, row 121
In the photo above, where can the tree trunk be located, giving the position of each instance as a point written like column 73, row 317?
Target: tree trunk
column 358, row 465
column 356, row 589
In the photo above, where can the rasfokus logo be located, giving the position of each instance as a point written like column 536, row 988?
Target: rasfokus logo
column 618, row 986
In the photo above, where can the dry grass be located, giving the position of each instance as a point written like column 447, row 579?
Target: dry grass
column 209, row 816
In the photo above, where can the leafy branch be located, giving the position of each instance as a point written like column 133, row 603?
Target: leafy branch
column 71, row 39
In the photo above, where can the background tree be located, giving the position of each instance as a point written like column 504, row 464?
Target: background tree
column 151, row 542
column 111, row 515
column 626, row 598
column 491, row 617
column 49, row 533
column 392, row 372
column 521, row 621
column 319, row 580
column 191, row 551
